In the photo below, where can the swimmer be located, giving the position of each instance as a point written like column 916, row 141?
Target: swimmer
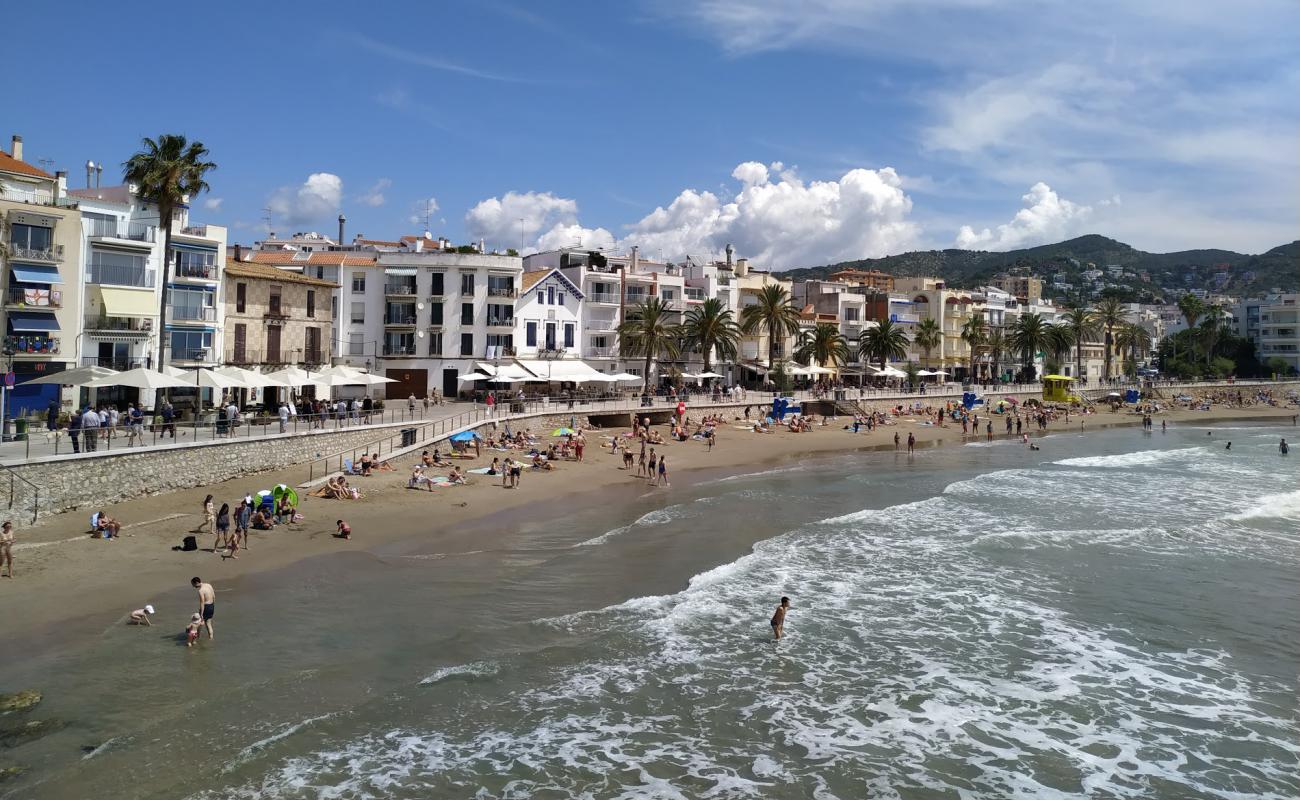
column 778, row 619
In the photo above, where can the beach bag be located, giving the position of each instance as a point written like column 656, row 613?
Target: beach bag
column 189, row 543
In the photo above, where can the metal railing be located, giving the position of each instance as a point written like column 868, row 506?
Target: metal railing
column 53, row 254
column 601, row 325
column 501, row 322
column 207, row 273
column 33, row 297
column 132, row 231
column 118, row 275
column 191, row 314
column 15, row 480
column 501, row 291
column 424, row 432
column 32, row 345
column 399, row 288
column 119, row 364
column 399, row 350
column 602, row 297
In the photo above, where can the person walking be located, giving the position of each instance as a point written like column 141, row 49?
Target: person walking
column 209, row 516
column 90, row 429
column 284, row 417
column 7, row 548
column 74, row 430
column 52, row 416
column 207, row 603
column 168, row 419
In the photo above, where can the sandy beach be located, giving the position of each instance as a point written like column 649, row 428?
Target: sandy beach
column 62, row 573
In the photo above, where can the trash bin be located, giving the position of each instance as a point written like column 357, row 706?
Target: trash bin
column 20, row 429
column 408, row 437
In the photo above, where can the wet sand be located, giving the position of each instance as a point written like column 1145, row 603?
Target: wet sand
column 64, row 575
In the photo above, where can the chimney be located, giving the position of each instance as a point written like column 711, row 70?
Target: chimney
column 99, row 172
column 742, row 267
column 730, row 251
column 60, row 185
column 17, row 148
column 635, row 258
column 342, row 220
column 239, row 253
column 90, row 171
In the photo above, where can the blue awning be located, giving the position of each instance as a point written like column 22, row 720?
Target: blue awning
column 197, row 248
column 195, row 329
column 32, row 273
column 32, row 322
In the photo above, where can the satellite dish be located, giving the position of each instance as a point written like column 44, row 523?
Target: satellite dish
column 419, row 306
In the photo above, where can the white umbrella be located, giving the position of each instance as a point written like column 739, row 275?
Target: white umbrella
column 626, row 376
column 253, row 380
column 799, row 371
column 473, row 376
column 925, row 373
column 209, row 379
column 77, row 376
column 692, row 375
column 817, row 370
column 369, row 379
column 711, row 374
column 891, row 372
column 140, row 378
column 293, row 376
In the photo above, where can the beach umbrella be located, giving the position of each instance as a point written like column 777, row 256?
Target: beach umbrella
column 205, row 378
column 355, row 377
column 77, row 376
column 473, row 376
column 710, row 374
column 140, row 378
column 465, row 436
column 562, row 432
column 253, row 380
column 626, row 376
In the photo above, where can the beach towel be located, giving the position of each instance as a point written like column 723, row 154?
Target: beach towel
column 481, row 470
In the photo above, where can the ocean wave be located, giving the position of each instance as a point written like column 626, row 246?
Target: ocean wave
column 471, row 671
column 1140, row 458
column 660, row 516
column 1284, row 505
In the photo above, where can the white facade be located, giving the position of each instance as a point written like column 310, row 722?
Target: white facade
column 548, row 317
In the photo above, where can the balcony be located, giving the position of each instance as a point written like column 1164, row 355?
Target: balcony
column 399, row 320
column 501, row 322
column 53, row 255
column 34, row 345
column 117, row 275
column 399, row 350
column 601, row 325
column 194, row 273
column 120, row 328
column 313, row 356
column 186, row 315
column 131, row 232
column 694, row 295
column 400, row 289
column 242, row 355
column 31, row 297
column 119, row 364
column 195, row 230
column 609, row 298
column 195, row 355
column 602, row 352
column 501, row 291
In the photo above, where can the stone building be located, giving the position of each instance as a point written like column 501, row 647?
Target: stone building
column 275, row 318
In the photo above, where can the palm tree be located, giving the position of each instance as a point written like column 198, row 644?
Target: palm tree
column 1109, row 314
column 1059, row 340
column 774, row 312
column 823, row 345
column 711, row 327
column 995, row 341
column 1210, row 331
column 973, row 333
column 1192, row 309
column 648, row 332
column 1082, row 326
column 928, row 336
column 1131, row 339
column 884, row 341
column 1029, row 335
column 169, row 173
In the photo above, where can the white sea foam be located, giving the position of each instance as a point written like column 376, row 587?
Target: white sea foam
column 471, row 671
column 1284, row 505
column 1140, row 458
column 660, row 516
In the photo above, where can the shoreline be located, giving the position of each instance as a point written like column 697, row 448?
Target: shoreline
column 140, row 567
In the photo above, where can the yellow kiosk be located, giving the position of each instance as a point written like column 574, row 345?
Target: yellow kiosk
column 1056, row 389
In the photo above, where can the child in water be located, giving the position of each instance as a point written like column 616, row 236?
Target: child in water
column 192, row 630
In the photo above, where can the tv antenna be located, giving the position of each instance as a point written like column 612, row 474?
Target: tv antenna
column 46, row 163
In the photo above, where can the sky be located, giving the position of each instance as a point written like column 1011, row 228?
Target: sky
column 802, row 132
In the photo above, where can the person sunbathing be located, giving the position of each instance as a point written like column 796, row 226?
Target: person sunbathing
column 419, row 479
column 342, row 491
column 263, row 521
column 457, row 477
column 540, row 462
column 380, row 466
column 426, row 459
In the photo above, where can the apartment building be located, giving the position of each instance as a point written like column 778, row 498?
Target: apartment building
column 844, row 304
column 1279, row 330
column 194, row 314
column 330, row 266
column 870, row 279
column 40, row 228
column 275, row 318
column 1025, row 288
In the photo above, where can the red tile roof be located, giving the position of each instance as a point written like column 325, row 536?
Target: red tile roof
column 251, row 269
column 327, row 259
column 10, row 164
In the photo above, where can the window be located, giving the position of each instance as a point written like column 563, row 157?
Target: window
column 241, row 297
column 502, row 341
column 669, row 294
column 31, row 237
column 241, row 342
column 559, row 299
column 190, row 345
column 195, row 263
column 122, row 269
column 334, row 308
column 358, row 315
column 192, row 304
column 467, row 344
column 436, row 289
column 273, row 344
column 500, row 314
column 435, row 344
column 466, row 313
column 501, row 286
column 600, row 342
column 358, row 283
column 467, row 284
column 312, row 354
column 311, row 302
column 273, row 307
column 550, row 336
column 435, row 313
column 530, row 334
column 568, row 334
column 851, row 314
column 356, row 344
column 550, row 295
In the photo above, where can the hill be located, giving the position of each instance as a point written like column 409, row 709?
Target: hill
column 1129, row 272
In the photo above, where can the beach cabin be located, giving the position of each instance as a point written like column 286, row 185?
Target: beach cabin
column 1056, row 389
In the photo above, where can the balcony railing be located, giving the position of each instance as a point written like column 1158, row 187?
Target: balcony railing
column 117, row 275
column 501, row 322
column 403, row 320
column 695, row 295
column 202, row 354
column 53, row 255
column 243, row 355
column 132, row 231
column 189, row 314
column 119, row 364
column 601, row 325
column 205, row 273
column 122, row 324
column 33, row 297
column 602, row 352
column 399, row 349
column 402, row 289
column 603, row 297
column 195, row 230
column 32, row 345
column 501, row 291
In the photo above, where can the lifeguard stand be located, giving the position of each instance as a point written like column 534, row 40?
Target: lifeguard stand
column 1056, row 389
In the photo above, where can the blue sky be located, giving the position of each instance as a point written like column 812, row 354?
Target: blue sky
column 804, row 132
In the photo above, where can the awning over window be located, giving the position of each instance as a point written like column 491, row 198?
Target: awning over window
column 32, row 322
column 129, row 302
column 400, row 272
column 32, row 273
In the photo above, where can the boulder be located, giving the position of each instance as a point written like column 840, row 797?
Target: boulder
column 33, row 729
column 19, row 701
column 9, row 773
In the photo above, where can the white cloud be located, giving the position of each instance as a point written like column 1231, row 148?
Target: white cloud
column 422, row 210
column 781, row 223
column 374, row 196
column 1046, row 217
column 213, row 203
column 519, row 217
column 319, row 197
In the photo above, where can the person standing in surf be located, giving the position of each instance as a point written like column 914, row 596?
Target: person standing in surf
column 778, row 619
column 1283, row 447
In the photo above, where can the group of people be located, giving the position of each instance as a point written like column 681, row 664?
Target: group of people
column 249, row 514
column 89, row 428
column 336, row 488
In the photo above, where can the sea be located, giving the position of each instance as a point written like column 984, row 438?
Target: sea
column 1113, row 615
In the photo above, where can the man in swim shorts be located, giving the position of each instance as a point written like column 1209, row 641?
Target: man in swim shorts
column 778, row 619
column 207, row 602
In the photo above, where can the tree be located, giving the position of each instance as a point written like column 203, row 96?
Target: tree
column 995, row 341
column 710, row 326
column 1192, row 309
column 913, row 372
column 168, row 172
column 823, row 345
column 1059, row 340
column 1029, row 335
column 974, row 333
column 648, row 332
column 1132, row 340
column 928, row 336
column 1210, row 331
column 884, row 341
column 1109, row 314
column 773, row 312
column 1082, row 326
